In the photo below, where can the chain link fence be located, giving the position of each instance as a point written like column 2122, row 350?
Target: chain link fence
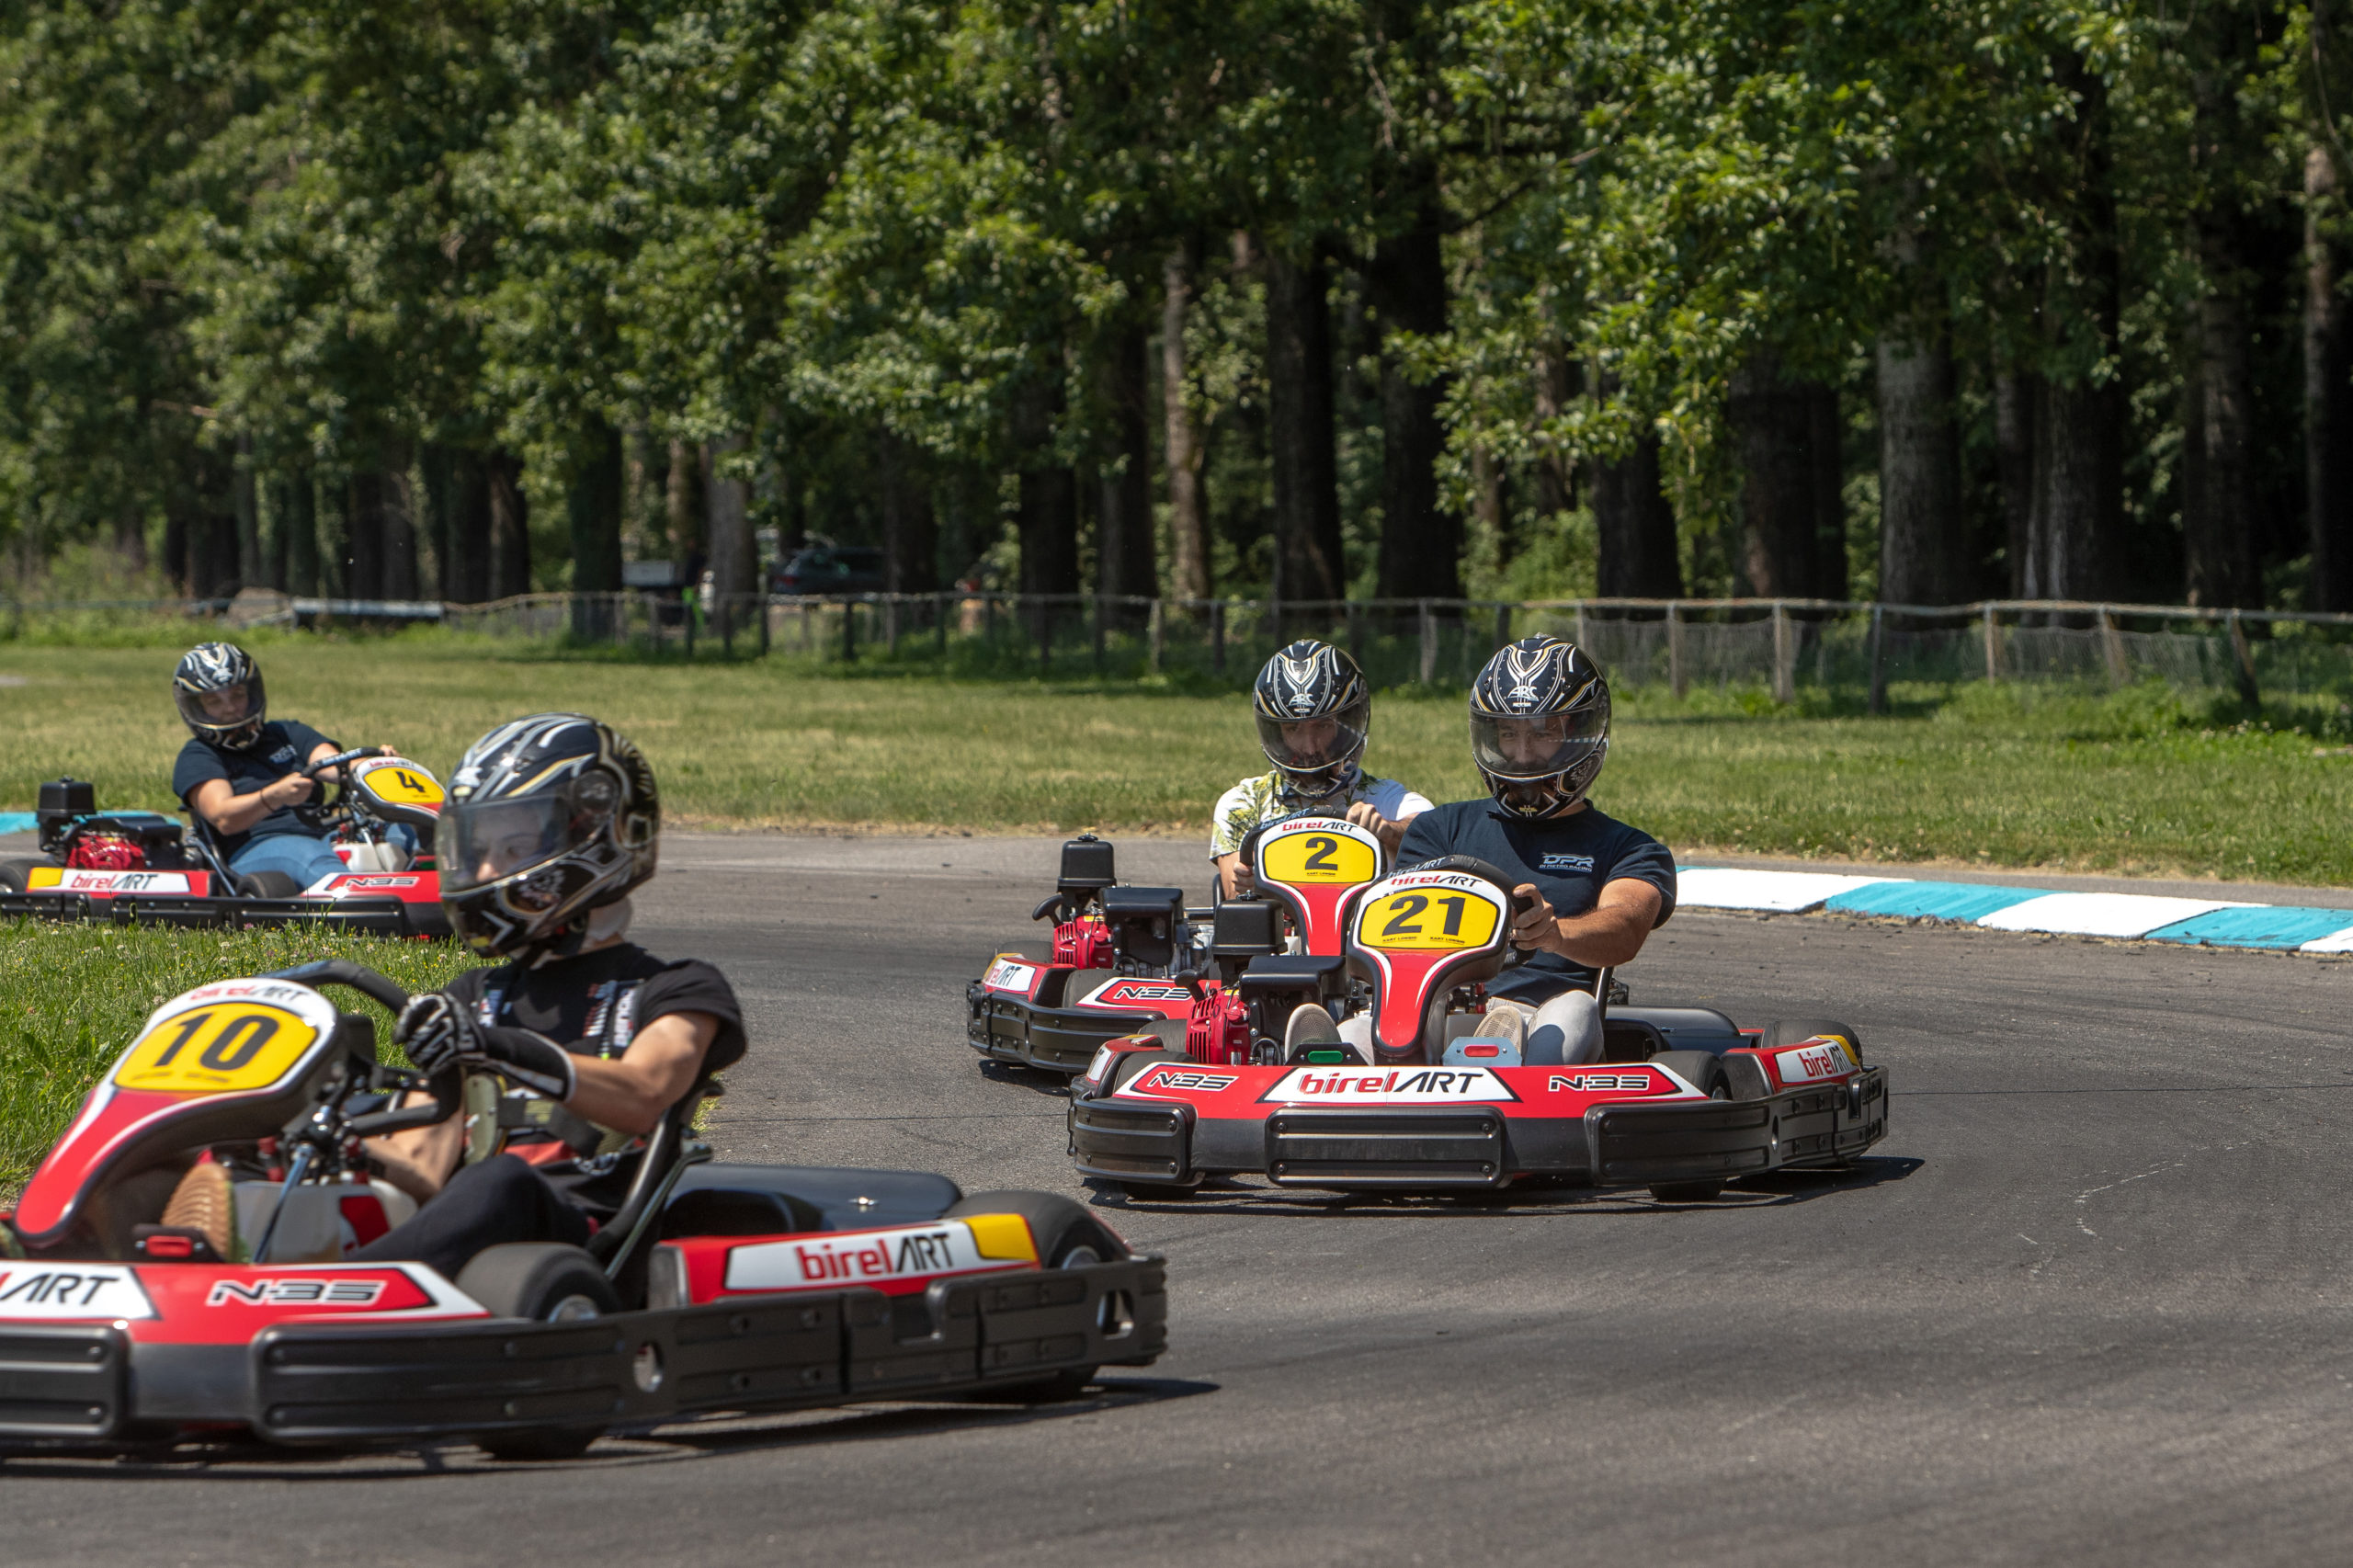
column 1779, row 645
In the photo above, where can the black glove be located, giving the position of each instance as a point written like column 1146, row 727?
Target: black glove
column 437, row 1032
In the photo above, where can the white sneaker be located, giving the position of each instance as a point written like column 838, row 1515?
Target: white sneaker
column 1309, row 1025
column 1505, row 1021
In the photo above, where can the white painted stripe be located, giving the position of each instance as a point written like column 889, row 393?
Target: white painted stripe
column 2334, row 942
column 1779, row 893
column 2102, row 913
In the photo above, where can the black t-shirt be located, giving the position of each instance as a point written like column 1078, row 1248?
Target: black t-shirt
column 1569, row 858
column 592, row 1005
column 283, row 746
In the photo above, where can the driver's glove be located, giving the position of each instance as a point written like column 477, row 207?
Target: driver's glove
column 437, row 1032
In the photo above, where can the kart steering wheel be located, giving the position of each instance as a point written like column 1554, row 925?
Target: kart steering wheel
column 447, row 1086
column 1488, row 871
column 337, row 760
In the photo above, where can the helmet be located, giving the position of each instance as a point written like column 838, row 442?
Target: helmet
column 1313, row 710
column 1540, row 725
column 218, row 688
column 548, row 818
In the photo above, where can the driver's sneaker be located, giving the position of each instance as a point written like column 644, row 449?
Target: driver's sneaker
column 1506, row 1021
column 1309, row 1025
column 206, row 1202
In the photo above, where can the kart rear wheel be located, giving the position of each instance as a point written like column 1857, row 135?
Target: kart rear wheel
column 1790, row 1032
column 271, row 884
column 546, row 1282
column 1067, row 1237
column 15, row 871
column 1704, row 1071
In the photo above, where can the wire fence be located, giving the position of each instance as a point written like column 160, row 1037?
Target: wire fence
column 1780, row 645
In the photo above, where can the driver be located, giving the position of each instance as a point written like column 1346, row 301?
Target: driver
column 1313, row 712
column 588, row 1039
column 242, row 771
column 1539, row 731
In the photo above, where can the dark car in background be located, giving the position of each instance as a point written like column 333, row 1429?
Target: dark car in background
column 829, row 569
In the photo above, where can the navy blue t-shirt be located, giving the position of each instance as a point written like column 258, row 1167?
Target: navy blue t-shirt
column 282, row 747
column 1569, row 858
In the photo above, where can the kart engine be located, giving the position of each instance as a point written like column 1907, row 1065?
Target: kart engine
column 1217, row 1033
column 1083, row 944
column 106, row 852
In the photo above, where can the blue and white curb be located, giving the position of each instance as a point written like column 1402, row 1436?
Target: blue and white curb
column 17, row 822
column 2210, row 922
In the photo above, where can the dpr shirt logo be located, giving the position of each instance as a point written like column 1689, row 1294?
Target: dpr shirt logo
column 1576, row 864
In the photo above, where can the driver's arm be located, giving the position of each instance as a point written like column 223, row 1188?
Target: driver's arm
column 1611, row 933
column 231, row 812
column 1233, row 876
column 1391, row 834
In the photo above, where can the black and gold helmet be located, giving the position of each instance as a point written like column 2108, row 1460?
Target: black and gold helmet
column 218, row 690
column 548, row 818
column 1314, row 710
column 1540, row 725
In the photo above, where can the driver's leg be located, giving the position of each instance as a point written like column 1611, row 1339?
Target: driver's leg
column 1565, row 1032
column 501, row 1199
column 296, row 855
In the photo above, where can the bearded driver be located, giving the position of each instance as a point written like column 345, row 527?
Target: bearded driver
column 1314, row 710
column 1596, row 887
column 241, row 772
column 589, row 1040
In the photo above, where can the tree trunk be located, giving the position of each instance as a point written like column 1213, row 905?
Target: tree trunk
column 2018, row 414
column 1635, row 527
column 1826, row 431
column 274, row 539
column 1556, row 385
column 1773, row 420
column 1421, row 546
column 2079, row 450
column 1487, row 504
column 1048, row 508
column 363, row 541
column 593, row 508
column 684, row 501
column 2218, row 517
column 510, row 528
column 1124, row 549
column 910, row 527
column 643, row 519
column 131, row 537
column 247, row 506
column 402, row 576
column 1299, row 406
column 1920, row 538
column 1188, row 538
column 734, row 552
column 466, row 526
column 300, row 524
column 2329, row 398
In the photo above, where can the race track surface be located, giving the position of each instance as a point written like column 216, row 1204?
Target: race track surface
column 2088, row 1304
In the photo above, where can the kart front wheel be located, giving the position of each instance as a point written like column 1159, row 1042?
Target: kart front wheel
column 546, row 1282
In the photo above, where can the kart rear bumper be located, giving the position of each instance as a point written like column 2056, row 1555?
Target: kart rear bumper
column 332, row 1383
column 373, row 916
column 1424, row 1147
column 1059, row 1039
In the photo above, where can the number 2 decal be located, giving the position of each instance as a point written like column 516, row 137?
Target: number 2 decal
column 1319, row 850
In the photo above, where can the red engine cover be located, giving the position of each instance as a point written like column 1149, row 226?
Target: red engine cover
column 1219, row 1031
column 106, row 852
column 1083, row 944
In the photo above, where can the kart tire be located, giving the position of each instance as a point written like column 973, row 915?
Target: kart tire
column 1067, row 1235
column 15, row 871
column 1704, row 1071
column 1158, row 1191
column 1133, row 1062
column 271, row 884
column 546, row 1282
column 1790, row 1032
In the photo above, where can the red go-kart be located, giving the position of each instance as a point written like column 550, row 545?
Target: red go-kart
column 1681, row 1101
column 715, row 1287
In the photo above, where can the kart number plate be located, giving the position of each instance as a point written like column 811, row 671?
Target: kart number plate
column 226, row 1048
column 1313, row 859
column 1432, row 919
column 401, row 783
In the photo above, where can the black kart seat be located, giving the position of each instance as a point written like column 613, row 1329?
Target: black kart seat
column 715, row 1200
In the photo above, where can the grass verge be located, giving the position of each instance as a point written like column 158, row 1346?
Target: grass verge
column 72, row 997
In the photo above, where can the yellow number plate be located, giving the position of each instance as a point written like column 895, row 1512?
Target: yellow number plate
column 1306, row 860
column 1428, row 920
column 404, row 784
column 225, row 1049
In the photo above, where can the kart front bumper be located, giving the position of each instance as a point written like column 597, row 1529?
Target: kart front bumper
column 324, row 1383
column 1059, row 1039
column 1624, row 1143
column 371, row 917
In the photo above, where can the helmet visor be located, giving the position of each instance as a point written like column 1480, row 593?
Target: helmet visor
column 477, row 845
column 1324, row 739
column 221, row 709
column 1539, row 744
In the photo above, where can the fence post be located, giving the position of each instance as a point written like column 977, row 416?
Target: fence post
column 1785, row 658
column 1585, row 633
column 2249, row 692
column 940, row 620
column 891, row 624
column 1045, row 634
column 849, row 630
column 727, row 625
column 687, row 614
column 1993, row 648
column 2112, row 647
column 988, row 618
column 1879, row 659
column 1217, row 637
column 1356, row 633
column 808, row 630
column 765, row 610
column 1102, row 606
column 1156, row 630
column 1678, row 680
column 1274, row 607
column 1503, row 625
column 1429, row 643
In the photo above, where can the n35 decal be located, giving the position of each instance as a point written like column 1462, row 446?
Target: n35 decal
column 222, row 1049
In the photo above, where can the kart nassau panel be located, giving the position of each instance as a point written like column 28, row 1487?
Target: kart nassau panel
column 1316, row 867
column 1616, row 1124
column 1410, row 935
column 211, row 1062
column 297, row 1355
column 1006, row 1021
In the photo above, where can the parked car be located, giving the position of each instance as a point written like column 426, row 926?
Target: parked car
column 830, row 569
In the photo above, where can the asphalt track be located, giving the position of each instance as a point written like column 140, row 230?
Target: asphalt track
column 2088, row 1303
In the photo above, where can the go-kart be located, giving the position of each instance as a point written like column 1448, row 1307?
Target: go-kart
column 1681, row 1101
column 142, row 866
column 714, row 1288
column 1129, row 959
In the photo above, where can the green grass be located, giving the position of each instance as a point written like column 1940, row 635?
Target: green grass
column 2142, row 780
column 72, row 997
